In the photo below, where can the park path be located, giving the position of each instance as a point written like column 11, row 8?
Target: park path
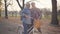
column 10, row 26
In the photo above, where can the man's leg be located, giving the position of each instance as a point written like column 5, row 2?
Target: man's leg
column 39, row 29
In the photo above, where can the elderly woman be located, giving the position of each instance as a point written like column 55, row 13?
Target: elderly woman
column 26, row 14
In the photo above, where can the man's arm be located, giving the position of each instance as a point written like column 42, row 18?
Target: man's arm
column 40, row 13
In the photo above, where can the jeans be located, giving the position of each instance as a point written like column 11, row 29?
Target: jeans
column 26, row 27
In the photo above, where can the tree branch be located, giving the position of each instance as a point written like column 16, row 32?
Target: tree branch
column 8, row 4
column 23, row 3
column 19, row 4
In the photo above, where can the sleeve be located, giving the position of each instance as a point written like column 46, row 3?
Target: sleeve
column 40, row 13
column 22, row 12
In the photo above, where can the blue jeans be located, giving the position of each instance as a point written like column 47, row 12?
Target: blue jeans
column 26, row 27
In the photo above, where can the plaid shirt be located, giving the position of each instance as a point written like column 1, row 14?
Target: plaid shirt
column 35, row 13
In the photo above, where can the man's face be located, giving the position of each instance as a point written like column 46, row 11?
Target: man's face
column 33, row 4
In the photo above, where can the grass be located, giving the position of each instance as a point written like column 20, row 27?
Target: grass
column 49, row 17
column 45, row 17
column 59, row 17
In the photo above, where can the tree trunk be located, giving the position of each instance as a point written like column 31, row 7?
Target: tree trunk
column 23, row 4
column 54, row 13
column 0, row 13
column 19, row 4
column 6, row 15
column 0, row 7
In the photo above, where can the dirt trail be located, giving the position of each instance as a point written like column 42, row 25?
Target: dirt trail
column 10, row 26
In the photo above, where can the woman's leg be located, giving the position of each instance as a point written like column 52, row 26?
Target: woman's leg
column 25, row 28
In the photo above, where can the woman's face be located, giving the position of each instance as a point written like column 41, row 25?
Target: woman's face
column 28, row 5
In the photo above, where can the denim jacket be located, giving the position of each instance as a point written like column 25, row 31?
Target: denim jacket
column 26, row 11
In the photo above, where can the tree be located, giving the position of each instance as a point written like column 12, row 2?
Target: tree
column 6, row 5
column 0, row 7
column 6, row 16
column 22, row 4
column 54, row 13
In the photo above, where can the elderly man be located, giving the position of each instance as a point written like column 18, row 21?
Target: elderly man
column 36, row 14
column 26, row 14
